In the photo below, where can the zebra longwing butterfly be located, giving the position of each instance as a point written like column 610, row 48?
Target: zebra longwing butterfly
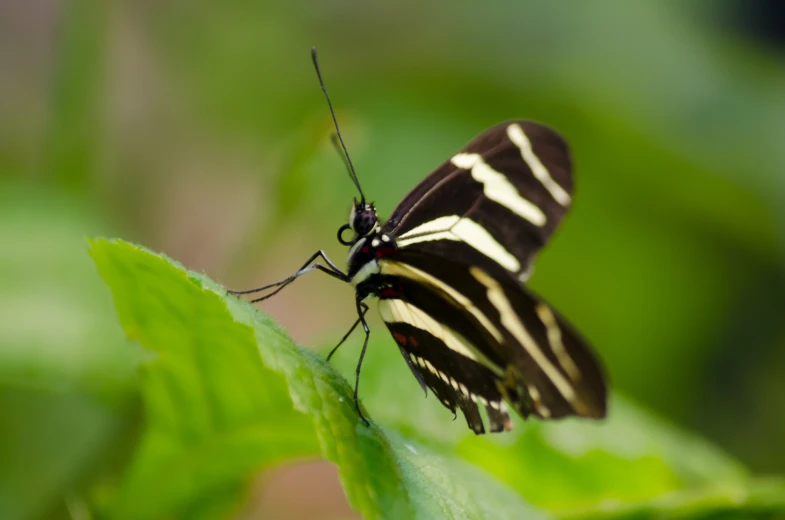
column 449, row 267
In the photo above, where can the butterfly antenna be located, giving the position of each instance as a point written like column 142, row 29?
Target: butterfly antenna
column 345, row 152
column 337, row 145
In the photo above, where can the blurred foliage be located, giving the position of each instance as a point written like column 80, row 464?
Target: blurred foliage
column 198, row 129
column 63, row 367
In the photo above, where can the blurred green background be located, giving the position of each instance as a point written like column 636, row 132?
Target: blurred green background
column 198, row 129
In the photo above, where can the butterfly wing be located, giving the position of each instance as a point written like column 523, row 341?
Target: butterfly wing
column 494, row 203
column 476, row 339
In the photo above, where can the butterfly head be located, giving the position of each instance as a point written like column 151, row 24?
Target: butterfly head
column 362, row 218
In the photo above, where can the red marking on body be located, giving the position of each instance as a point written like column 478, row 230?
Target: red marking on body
column 400, row 338
column 389, row 292
column 385, row 251
column 365, row 249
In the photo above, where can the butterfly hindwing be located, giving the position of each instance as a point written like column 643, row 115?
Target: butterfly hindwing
column 561, row 373
column 476, row 338
column 433, row 351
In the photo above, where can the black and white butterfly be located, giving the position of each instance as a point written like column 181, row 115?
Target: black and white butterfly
column 449, row 267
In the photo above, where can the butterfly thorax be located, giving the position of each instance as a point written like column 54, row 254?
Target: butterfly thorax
column 369, row 244
column 364, row 256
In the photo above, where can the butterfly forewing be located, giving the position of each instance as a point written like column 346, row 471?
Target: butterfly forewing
column 492, row 204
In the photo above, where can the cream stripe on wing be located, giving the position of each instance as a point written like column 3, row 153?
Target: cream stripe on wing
column 554, row 338
column 394, row 268
column 398, row 311
column 497, row 188
column 432, row 226
column 519, row 139
column 537, row 401
column 513, row 324
column 463, row 230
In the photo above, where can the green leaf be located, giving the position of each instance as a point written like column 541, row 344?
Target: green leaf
column 227, row 394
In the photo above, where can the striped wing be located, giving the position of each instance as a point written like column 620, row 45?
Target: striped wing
column 488, row 342
column 494, row 203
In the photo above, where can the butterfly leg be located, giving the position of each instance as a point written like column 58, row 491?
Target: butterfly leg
column 361, row 314
column 332, row 270
column 335, row 274
column 365, row 309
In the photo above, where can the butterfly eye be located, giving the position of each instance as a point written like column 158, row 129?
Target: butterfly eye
column 364, row 220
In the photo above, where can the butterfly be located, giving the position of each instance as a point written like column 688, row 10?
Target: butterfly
column 449, row 268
